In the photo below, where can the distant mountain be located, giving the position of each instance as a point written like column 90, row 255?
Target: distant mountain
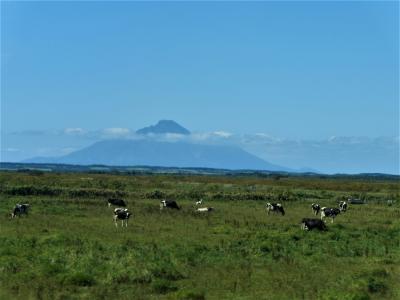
column 154, row 153
column 164, row 126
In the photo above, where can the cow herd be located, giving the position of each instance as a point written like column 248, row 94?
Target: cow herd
column 121, row 213
column 309, row 223
column 330, row 212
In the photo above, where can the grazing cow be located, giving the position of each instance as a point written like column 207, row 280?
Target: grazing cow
column 199, row 202
column 329, row 212
column 116, row 202
column 205, row 209
column 315, row 208
column 169, row 204
column 20, row 209
column 275, row 207
column 343, row 206
column 310, row 224
column 123, row 215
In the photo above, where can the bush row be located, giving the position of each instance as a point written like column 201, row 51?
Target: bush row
column 273, row 196
column 29, row 190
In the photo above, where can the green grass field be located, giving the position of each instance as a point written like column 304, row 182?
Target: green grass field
column 69, row 248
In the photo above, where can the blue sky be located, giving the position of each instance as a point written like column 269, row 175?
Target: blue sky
column 294, row 70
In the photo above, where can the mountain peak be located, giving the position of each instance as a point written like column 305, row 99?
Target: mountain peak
column 164, row 126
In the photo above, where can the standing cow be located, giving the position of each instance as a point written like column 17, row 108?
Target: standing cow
column 315, row 208
column 121, row 214
column 20, row 209
column 275, row 207
column 329, row 212
column 343, row 206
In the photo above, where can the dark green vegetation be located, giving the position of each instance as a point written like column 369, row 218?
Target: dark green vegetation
column 69, row 248
column 143, row 170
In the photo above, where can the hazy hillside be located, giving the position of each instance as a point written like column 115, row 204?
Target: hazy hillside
column 153, row 153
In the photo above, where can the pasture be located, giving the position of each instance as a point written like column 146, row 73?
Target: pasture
column 69, row 248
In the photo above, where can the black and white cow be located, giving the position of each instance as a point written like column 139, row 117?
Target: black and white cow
column 315, row 208
column 116, row 202
column 120, row 210
column 169, row 204
column 329, row 212
column 275, row 207
column 199, row 202
column 20, row 209
column 310, row 224
column 121, row 214
column 343, row 206
column 205, row 209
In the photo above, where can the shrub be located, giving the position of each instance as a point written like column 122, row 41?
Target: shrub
column 163, row 286
column 376, row 286
column 166, row 271
column 156, row 194
column 192, row 295
column 80, row 279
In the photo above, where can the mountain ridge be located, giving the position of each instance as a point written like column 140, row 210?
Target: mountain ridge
column 163, row 127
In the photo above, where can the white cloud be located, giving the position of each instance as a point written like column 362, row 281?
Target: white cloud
column 116, row 131
column 200, row 136
column 74, row 131
column 12, row 150
column 174, row 136
column 223, row 134
column 260, row 138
